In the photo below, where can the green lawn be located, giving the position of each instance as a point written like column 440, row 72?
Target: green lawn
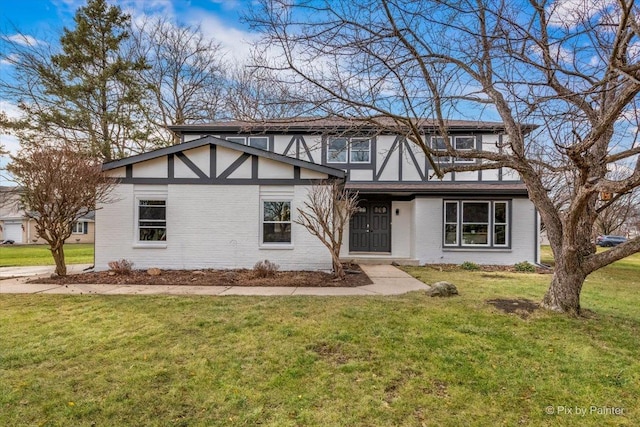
column 23, row 255
column 409, row 360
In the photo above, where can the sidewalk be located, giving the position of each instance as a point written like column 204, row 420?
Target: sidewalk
column 387, row 280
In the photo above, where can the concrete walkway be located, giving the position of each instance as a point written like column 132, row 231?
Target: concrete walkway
column 387, row 280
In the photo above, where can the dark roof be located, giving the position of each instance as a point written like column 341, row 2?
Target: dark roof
column 210, row 140
column 439, row 187
column 323, row 124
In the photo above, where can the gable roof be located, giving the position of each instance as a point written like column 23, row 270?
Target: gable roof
column 336, row 124
column 210, row 140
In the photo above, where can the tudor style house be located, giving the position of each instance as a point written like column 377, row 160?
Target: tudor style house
column 227, row 196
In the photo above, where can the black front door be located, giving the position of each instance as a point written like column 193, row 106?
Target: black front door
column 370, row 227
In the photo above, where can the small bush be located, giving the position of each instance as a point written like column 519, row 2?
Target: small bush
column 524, row 267
column 122, row 266
column 471, row 266
column 265, row 269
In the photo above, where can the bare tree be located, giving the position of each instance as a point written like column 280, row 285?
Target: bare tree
column 574, row 72
column 58, row 186
column 255, row 93
column 325, row 214
column 186, row 75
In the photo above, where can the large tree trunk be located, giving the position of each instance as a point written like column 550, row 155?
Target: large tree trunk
column 58, row 256
column 563, row 294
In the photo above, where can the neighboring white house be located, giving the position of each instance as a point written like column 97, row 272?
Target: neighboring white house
column 18, row 227
column 226, row 197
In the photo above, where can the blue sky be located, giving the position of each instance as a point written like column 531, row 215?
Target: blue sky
column 44, row 20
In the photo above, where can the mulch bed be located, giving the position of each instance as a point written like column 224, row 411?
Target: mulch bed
column 356, row 277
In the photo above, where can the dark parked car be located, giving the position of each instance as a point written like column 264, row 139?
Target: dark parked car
column 608, row 241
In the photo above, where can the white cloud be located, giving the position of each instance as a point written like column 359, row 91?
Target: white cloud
column 23, row 39
column 236, row 42
column 569, row 13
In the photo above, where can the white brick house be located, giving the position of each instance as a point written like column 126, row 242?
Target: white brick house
column 227, row 196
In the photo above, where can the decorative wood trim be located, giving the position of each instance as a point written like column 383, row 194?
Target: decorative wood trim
column 414, row 160
column 376, row 175
column 187, row 161
column 170, row 166
column 213, row 161
column 234, row 166
column 254, row 167
column 220, row 181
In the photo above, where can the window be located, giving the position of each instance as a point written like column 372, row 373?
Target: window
column 276, row 222
column 475, row 223
column 261, row 142
column 451, row 223
column 237, row 139
column 462, row 143
column 349, row 150
column 152, row 220
column 500, row 224
column 471, row 223
column 337, row 150
column 438, row 143
column 459, row 143
column 78, row 228
column 360, row 151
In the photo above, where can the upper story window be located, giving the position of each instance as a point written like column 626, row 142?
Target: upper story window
column 349, row 150
column 459, row 143
column 261, row 142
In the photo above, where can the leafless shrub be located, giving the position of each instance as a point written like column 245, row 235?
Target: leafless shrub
column 122, row 266
column 266, row 268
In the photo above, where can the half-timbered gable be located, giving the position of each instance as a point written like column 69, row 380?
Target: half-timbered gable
column 227, row 196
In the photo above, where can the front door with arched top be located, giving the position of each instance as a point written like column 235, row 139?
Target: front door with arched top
column 370, row 227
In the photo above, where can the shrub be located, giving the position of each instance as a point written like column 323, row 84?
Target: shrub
column 524, row 267
column 122, row 266
column 471, row 266
column 265, row 268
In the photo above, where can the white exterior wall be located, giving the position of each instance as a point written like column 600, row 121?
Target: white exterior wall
column 208, row 226
column 428, row 226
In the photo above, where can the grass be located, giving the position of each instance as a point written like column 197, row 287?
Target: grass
column 26, row 255
column 408, row 360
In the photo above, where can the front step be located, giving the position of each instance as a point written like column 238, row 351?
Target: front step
column 373, row 260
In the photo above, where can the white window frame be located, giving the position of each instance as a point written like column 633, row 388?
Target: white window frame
column 488, row 223
column 456, row 223
column 491, row 229
column 237, row 139
column 505, row 224
column 258, row 137
column 344, row 151
column 350, row 146
column 440, row 159
column 74, row 227
column 455, row 146
column 136, row 227
column 347, row 150
column 246, row 140
column 276, row 245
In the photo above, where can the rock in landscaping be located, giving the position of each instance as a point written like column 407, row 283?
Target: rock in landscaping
column 154, row 272
column 442, row 289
